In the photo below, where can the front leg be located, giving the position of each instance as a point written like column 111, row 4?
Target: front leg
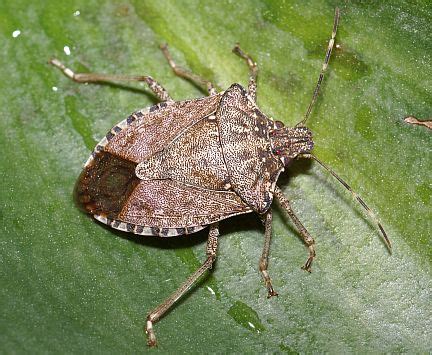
column 307, row 238
column 253, row 70
column 263, row 262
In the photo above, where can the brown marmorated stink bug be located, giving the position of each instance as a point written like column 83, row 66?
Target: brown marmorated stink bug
column 179, row 166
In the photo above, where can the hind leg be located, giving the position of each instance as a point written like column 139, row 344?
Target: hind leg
column 160, row 310
column 154, row 86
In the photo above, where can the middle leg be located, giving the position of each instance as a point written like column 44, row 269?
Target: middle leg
column 183, row 73
column 263, row 262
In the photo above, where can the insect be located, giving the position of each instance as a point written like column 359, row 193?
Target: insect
column 180, row 166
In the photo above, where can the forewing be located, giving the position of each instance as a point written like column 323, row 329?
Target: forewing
column 109, row 190
column 149, row 130
column 172, row 204
column 194, row 158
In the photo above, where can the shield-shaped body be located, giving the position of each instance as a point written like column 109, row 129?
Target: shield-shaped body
column 177, row 167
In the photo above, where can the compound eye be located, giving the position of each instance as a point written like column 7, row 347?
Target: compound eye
column 278, row 124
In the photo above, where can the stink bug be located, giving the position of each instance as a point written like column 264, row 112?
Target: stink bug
column 180, row 166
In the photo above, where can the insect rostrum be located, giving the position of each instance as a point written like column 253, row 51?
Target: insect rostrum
column 180, row 166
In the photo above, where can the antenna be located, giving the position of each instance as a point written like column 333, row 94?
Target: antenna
column 355, row 195
column 324, row 67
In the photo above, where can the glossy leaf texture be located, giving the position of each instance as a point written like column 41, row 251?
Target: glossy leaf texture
column 68, row 284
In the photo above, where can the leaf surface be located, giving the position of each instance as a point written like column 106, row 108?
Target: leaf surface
column 68, row 284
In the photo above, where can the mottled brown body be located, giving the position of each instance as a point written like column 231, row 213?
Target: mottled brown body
column 182, row 165
column 177, row 167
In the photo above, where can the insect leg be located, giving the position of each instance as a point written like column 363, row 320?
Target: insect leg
column 157, row 89
column 263, row 262
column 183, row 73
column 253, row 70
column 160, row 310
column 309, row 241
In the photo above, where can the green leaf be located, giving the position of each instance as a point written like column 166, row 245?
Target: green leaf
column 68, row 284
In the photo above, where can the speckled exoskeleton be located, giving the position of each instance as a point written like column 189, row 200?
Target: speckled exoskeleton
column 180, row 166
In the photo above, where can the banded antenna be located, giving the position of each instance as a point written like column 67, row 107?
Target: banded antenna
column 355, row 195
column 323, row 69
